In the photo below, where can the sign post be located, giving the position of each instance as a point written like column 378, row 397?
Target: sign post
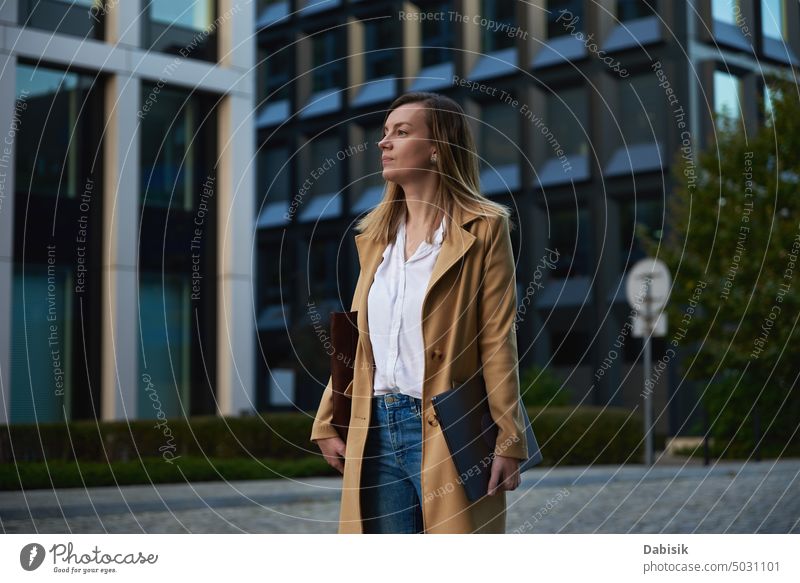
column 647, row 289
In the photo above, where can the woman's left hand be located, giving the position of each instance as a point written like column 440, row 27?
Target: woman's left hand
column 505, row 474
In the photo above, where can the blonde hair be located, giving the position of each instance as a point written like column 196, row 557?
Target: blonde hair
column 456, row 165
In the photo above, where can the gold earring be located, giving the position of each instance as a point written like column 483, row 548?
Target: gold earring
column 433, row 159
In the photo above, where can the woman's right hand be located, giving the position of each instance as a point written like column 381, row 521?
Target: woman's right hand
column 333, row 450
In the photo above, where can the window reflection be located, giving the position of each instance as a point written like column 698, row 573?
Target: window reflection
column 177, row 241
column 56, row 126
column 41, row 313
column 182, row 27
column 773, row 18
column 727, row 95
column 725, row 10
column 164, row 317
column 168, row 165
column 189, row 14
column 55, row 107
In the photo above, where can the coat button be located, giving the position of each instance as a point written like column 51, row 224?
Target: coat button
column 437, row 354
column 432, row 421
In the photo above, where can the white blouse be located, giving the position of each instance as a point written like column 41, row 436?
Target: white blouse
column 394, row 305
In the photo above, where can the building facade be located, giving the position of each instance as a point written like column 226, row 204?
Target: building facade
column 581, row 110
column 126, row 216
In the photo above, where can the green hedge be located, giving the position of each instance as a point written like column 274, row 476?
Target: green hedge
column 257, row 447
column 736, row 450
column 76, row 474
column 270, row 435
column 587, row 435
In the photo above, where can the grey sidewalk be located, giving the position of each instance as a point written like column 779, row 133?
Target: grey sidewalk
column 726, row 497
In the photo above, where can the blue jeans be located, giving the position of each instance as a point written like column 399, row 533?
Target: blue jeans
column 390, row 476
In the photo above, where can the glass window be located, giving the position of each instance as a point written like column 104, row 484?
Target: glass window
column 725, row 10
column 773, row 18
column 647, row 213
column 633, row 9
column 322, row 268
column 57, row 124
column 177, row 262
column 168, row 148
column 269, row 12
column 564, row 17
column 182, row 27
column 328, row 72
column 277, row 274
column 379, row 59
column 727, row 95
column 164, row 318
column 324, row 170
column 41, row 347
column 275, row 70
column 83, row 18
column 374, row 170
column 437, row 35
column 568, row 119
column 274, row 175
column 53, row 104
column 497, row 38
column 643, row 103
column 500, row 135
column 569, row 235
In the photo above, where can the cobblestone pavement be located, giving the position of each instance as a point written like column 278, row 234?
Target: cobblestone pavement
column 726, row 497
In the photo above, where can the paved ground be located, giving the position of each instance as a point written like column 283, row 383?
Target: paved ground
column 729, row 497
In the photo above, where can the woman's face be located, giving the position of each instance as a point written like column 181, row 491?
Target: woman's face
column 406, row 148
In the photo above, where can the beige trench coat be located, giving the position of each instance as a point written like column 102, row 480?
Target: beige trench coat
column 468, row 315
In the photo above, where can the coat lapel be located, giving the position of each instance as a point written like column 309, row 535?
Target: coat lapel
column 370, row 256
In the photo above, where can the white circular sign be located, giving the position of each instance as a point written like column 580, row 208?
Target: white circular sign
column 648, row 284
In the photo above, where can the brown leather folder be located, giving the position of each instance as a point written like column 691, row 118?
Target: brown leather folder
column 344, row 339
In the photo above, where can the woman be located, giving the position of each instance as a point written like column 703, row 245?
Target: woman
column 436, row 301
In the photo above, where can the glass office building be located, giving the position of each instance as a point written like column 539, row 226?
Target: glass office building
column 577, row 137
column 126, row 214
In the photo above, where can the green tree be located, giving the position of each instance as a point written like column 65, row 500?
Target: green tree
column 732, row 248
